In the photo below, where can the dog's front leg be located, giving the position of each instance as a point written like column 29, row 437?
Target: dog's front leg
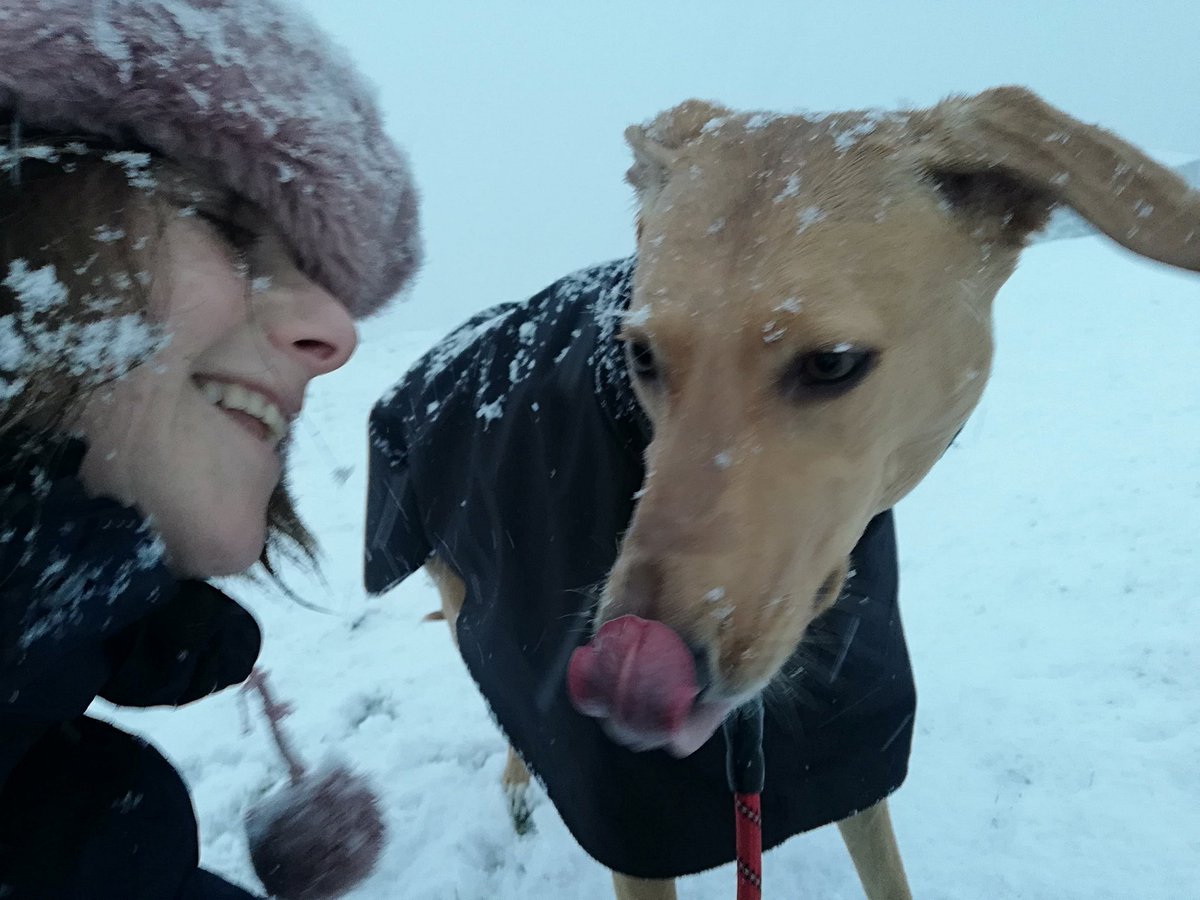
column 515, row 781
column 630, row 888
column 872, row 844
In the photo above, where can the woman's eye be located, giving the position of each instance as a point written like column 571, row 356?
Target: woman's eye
column 642, row 363
column 832, row 369
column 239, row 237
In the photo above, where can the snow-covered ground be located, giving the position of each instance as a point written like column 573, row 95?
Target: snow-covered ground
column 1050, row 592
column 1049, row 564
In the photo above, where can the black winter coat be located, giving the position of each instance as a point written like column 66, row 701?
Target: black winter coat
column 513, row 450
column 88, row 608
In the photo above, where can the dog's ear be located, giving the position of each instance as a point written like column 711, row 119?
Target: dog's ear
column 657, row 146
column 1006, row 152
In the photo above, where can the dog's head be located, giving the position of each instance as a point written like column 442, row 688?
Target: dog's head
column 810, row 327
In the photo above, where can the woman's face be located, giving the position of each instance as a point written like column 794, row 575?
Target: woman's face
column 193, row 437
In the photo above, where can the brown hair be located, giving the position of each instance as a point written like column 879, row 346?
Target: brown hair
column 79, row 234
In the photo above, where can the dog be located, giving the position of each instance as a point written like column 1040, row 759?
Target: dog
column 805, row 328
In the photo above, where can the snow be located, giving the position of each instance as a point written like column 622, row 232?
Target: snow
column 31, row 336
column 790, row 189
column 810, row 215
column 772, row 331
column 136, row 166
column 851, row 135
column 37, row 290
column 1048, row 562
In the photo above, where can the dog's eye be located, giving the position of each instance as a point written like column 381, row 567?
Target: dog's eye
column 642, row 363
column 828, row 370
column 831, row 366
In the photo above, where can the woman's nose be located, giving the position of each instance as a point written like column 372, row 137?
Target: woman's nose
column 311, row 326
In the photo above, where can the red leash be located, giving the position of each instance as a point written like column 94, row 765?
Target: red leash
column 749, row 846
column 746, row 771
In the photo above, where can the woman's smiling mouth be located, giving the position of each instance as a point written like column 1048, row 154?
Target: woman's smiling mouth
column 249, row 408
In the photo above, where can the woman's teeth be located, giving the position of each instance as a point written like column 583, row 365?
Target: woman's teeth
column 252, row 403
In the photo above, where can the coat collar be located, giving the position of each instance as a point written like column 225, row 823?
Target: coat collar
column 613, row 388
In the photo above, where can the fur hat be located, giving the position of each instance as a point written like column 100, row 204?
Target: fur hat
column 247, row 93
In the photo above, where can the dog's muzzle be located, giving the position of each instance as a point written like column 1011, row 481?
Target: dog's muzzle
column 638, row 677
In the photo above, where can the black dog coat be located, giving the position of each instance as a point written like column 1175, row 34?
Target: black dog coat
column 513, row 450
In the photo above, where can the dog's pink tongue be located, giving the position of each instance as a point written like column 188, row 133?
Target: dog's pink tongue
column 639, row 676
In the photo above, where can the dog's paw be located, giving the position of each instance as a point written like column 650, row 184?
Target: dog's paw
column 519, row 809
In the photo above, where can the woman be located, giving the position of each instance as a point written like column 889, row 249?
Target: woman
column 197, row 199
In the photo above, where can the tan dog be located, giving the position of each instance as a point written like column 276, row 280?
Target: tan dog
column 810, row 327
